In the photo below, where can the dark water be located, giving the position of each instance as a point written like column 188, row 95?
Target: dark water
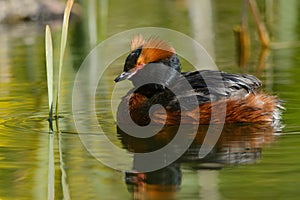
column 248, row 162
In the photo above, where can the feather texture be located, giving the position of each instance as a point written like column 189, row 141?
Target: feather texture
column 136, row 42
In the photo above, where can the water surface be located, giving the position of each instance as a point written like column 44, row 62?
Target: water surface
column 248, row 162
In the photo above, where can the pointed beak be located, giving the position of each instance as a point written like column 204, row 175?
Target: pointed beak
column 123, row 76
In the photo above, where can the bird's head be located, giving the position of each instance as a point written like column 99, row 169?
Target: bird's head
column 143, row 52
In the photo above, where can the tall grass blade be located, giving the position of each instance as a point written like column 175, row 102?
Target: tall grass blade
column 49, row 68
column 63, row 43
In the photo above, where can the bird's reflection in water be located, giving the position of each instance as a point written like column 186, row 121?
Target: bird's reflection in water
column 237, row 144
column 160, row 184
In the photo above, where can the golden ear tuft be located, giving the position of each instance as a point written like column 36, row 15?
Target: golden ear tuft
column 155, row 49
column 136, row 42
column 158, row 44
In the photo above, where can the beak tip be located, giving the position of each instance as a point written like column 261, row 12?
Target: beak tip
column 117, row 79
column 121, row 77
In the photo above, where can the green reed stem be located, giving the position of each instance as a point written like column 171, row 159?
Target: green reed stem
column 63, row 43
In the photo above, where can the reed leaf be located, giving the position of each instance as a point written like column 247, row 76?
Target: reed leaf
column 63, row 43
column 49, row 68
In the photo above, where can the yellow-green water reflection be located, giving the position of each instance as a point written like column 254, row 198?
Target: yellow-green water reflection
column 273, row 174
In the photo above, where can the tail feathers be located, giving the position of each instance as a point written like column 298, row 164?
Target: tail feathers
column 277, row 116
column 254, row 108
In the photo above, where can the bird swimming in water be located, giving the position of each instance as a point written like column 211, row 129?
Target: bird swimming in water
column 238, row 95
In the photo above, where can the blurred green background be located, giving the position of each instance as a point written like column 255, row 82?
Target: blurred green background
column 23, row 95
